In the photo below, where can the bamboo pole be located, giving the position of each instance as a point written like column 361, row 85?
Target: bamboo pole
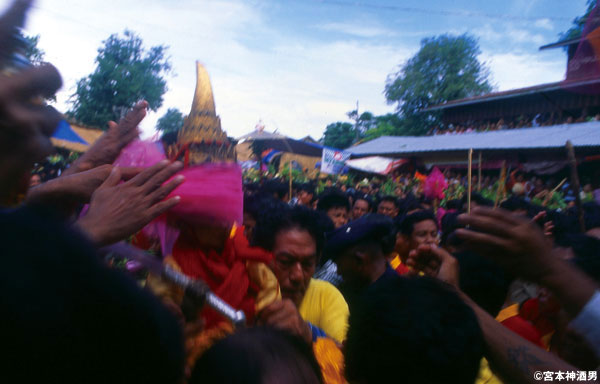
column 575, row 183
column 479, row 175
column 501, row 182
column 549, row 195
column 469, row 177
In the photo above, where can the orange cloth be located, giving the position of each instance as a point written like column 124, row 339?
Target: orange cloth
column 397, row 265
column 330, row 359
column 225, row 273
column 509, row 317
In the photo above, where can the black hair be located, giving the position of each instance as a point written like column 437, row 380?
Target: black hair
column 408, row 224
column 483, row 281
column 258, row 355
column 306, row 187
column 415, row 328
column 477, row 198
column 409, row 203
column 449, row 226
column 454, row 204
column 587, row 254
column 364, row 197
column 389, row 198
column 333, row 199
column 277, row 217
column 275, row 188
column 514, row 203
column 591, row 213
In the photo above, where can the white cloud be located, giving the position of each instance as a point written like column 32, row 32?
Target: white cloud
column 511, row 70
column 544, row 24
column 357, row 29
column 296, row 84
column 507, row 34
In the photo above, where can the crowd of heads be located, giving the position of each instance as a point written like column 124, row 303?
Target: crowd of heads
column 537, row 120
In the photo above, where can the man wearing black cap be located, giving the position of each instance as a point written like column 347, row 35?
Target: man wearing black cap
column 359, row 249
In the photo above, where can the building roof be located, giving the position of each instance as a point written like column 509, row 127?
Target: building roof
column 549, row 87
column 583, row 135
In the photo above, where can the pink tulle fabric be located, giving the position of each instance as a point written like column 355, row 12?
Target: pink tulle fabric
column 211, row 193
column 435, row 185
column 140, row 154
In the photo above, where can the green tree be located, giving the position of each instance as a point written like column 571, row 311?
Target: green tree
column 169, row 125
column 578, row 23
column 32, row 52
column 339, row 135
column 171, row 121
column 385, row 125
column 445, row 68
column 125, row 73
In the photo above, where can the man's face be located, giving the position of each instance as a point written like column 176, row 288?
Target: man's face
column 387, row 208
column 339, row 216
column 35, row 180
column 305, row 197
column 353, row 269
column 294, row 262
column 424, row 232
column 361, row 207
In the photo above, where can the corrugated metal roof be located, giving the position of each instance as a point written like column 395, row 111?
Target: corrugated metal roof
column 513, row 93
column 581, row 135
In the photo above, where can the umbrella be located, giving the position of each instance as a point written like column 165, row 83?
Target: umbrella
column 283, row 143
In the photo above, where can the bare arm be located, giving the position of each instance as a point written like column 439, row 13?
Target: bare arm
column 512, row 357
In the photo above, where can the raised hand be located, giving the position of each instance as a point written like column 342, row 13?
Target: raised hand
column 513, row 242
column 66, row 192
column 119, row 210
column 435, row 262
column 108, row 147
column 283, row 314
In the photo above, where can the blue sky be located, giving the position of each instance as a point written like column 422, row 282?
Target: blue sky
column 301, row 64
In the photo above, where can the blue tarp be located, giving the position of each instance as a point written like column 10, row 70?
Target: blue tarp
column 64, row 132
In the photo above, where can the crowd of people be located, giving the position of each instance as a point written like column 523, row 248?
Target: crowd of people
column 339, row 286
column 539, row 120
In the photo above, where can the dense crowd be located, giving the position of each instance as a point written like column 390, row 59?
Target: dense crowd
column 539, row 120
column 245, row 283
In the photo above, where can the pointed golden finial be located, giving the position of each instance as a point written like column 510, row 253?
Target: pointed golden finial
column 201, row 134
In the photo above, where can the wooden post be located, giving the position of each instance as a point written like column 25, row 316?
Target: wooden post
column 479, row 175
column 470, row 182
column 549, row 195
column 575, row 183
column 501, row 182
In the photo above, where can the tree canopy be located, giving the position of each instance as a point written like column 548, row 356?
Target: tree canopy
column 445, row 68
column 125, row 73
column 170, row 124
column 339, row 135
column 578, row 23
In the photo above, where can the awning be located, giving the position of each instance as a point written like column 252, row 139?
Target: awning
column 376, row 164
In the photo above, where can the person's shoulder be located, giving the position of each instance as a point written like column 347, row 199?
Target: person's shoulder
column 324, row 289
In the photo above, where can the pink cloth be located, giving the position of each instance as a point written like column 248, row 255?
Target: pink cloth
column 211, row 193
column 435, row 185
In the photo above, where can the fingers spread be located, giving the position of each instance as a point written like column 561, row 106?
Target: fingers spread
column 144, row 176
column 165, row 189
column 162, row 175
column 112, row 179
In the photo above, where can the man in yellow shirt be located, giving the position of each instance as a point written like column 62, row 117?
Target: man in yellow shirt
column 310, row 308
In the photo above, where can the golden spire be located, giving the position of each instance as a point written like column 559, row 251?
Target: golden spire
column 202, row 127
